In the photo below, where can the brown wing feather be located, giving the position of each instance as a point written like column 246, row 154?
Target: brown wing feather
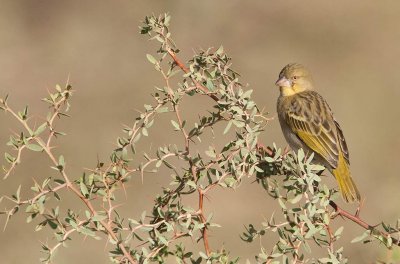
column 342, row 142
column 311, row 119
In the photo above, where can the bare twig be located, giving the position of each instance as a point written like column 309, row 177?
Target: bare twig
column 356, row 219
column 204, row 221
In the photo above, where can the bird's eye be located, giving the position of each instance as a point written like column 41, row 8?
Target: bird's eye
column 295, row 77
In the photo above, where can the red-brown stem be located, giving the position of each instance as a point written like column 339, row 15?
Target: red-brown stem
column 331, row 237
column 356, row 219
column 186, row 70
column 187, row 146
column 349, row 216
column 204, row 221
column 177, row 60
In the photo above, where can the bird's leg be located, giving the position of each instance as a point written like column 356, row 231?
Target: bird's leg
column 360, row 204
column 315, row 184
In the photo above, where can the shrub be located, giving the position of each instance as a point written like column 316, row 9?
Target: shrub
column 307, row 205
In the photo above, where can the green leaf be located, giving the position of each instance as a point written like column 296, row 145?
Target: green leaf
column 24, row 114
column 52, row 224
column 46, row 182
column 362, row 237
column 59, row 181
column 300, row 155
column 61, row 161
column 192, row 184
column 220, row 50
column 296, row 199
column 151, row 58
column 148, row 107
column 210, row 85
column 40, row 129
column 163, row 109
column 99, row 217
column 269, row 159
column 84, row 189
column 238, row 124
column 176, row 125
column 247, row 94
column 9, row 158
column 203, row 255
column 338, row 231
column 211, row 153
column 17, row 195
column 34, row 147
column 86, row 231
column 57, row 196
column 228, row 126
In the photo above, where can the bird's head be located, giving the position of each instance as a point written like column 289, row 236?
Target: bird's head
column 294, row 78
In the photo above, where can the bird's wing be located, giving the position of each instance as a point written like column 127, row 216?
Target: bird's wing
column 342, row 142
column 311, row 119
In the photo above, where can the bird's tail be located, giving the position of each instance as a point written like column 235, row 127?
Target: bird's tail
column 347, row 187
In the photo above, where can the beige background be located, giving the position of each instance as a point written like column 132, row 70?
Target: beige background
column 352, row 48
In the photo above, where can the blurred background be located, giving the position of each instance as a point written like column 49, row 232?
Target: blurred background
column 351, row 47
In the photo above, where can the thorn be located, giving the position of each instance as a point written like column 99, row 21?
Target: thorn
column 286, row 150
column 69, row 75
column 123, row 188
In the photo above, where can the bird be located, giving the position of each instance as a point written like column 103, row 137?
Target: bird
column 307, row 122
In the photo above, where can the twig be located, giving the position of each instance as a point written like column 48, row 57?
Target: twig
column 260, row 147
column 15, row 162
column 68, row 182
column 186, row 70
column 204, row 221
column 182, row 66
column 186, row 137
column 356, row 219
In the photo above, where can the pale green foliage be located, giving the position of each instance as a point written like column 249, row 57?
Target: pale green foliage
column 157, row 236
column 304, row 203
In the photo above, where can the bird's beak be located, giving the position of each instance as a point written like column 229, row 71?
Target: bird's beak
column 283, row 82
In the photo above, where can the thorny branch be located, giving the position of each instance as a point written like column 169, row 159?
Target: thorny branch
column 355, row 218
column 192, row 167
column 171, row 220
column 68, row 183
column 182, row 66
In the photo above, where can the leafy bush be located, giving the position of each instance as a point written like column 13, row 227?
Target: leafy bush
column 307, row 205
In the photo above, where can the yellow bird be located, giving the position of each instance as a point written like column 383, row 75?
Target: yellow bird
column 307, row 122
